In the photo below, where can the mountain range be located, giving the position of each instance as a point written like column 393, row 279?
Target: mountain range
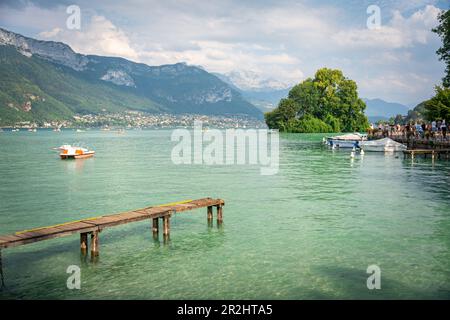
column 46, row 80
column 378, row 109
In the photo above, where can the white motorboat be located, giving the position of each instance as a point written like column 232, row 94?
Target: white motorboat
column 382, row 145
column 351, row 140
column 72, row 152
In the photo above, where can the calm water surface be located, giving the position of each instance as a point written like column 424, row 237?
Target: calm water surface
column 308, row 232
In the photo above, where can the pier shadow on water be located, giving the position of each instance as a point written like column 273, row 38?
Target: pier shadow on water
column 29, row 271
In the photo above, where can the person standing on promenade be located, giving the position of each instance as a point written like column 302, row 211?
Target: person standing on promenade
column 444, row 130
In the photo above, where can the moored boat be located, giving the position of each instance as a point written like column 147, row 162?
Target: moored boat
column 351, row 140
column 73, row 152
column 382, row 145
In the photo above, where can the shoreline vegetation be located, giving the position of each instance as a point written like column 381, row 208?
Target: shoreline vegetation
column 327, row 103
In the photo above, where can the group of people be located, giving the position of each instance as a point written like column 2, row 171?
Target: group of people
column 432, row 130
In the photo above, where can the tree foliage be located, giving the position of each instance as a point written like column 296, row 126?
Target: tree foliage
column 438, row 107
column 443, row 30
column 327, row 103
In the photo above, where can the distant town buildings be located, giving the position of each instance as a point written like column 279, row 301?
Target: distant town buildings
column 134, row 119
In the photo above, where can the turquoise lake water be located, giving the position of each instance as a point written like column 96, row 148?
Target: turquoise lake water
column 309, row 232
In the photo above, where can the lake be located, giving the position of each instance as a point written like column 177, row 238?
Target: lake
column 308, row 232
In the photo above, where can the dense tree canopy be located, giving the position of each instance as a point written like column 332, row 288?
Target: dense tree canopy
column 443, row 30
column 438, row 107
column 327, row 103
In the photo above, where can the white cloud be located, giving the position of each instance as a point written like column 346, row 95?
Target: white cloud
column 400, row 32
column 51, row 34
column 396, row 86
column 99, row 36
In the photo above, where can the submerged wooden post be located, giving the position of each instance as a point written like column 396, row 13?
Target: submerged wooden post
column 155, row 227
column 83, row 243
column 219, row 214
column 94, row 244
column 166, row 225
column 210, row 213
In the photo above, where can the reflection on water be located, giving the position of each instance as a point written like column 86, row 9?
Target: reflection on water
column 75, row 165
column 308, row 232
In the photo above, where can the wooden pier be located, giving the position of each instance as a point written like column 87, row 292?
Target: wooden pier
column 421, row 143
column 91, row 227
column 434, row 153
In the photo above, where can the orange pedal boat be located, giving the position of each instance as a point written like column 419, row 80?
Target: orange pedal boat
column 72, row 152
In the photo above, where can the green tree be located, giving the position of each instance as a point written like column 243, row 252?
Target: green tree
column 399, row 119
column 330, row 98
column 438, row 107
column 443, row 30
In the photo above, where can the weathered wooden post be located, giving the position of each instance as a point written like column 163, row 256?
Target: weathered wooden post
column 219, row 213
column 166, row 225
column 210, row 213
column 155, row 227
column 94, row 244
column 84, row 243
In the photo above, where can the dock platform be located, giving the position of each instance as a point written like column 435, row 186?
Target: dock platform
column 91, row 227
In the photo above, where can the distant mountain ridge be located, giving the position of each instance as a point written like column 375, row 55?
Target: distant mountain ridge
column 63, row 83
column 263, row 93
column 381, row 108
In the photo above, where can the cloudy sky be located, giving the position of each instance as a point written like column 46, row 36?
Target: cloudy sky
column 286, row 40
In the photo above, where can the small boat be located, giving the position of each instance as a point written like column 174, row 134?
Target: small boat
column 57, row 130
column 79, row 130
column 15, row 130
column 32, row 130
column 351, row 140
column 73, row 152
column 382, row 145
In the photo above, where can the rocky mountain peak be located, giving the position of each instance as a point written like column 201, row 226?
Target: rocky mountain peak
column 53, row 51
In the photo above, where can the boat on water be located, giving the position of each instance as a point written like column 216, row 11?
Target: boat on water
column 57, row 130
column 351, row 140
column 72, row 152
column 32, row 130
column 382, row 145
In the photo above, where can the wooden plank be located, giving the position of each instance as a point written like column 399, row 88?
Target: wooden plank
column 81, row 226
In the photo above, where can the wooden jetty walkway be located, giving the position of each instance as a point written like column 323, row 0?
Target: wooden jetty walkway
column 93, row 226
column 421, row 143
column 434, row 153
